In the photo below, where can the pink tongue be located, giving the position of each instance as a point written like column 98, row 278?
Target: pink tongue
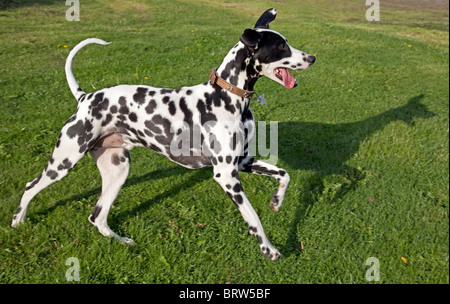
column 288, row 79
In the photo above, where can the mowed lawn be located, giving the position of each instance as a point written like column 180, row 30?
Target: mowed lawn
column 364, row 138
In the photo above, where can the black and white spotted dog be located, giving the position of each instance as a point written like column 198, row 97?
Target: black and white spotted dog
column 110, row 122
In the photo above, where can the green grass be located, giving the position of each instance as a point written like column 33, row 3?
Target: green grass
column 364, row 137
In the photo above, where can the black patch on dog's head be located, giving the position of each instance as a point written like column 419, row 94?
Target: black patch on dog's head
column 272, row 47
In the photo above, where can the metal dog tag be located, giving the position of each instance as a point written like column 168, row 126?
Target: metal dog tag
column 261, row 98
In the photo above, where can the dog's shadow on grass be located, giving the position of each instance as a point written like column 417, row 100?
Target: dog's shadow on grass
column 324, row 149
column 320, row 148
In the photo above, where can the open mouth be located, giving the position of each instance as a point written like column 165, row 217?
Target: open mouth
column 285, row 76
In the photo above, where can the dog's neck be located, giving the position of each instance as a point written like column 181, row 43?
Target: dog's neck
column 238, row 68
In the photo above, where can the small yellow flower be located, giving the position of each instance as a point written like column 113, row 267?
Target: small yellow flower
column 409, row 45
column 314, row 54
column 59, row 45
column 146, row 77
column 198, row 44
column 186, row 47
column 65, row 45
column 135, row 75
column 192, row 31
column 405, row 260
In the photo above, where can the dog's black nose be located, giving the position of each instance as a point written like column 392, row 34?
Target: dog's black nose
column 311, row 59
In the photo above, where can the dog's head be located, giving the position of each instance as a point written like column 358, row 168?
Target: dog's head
column 272, row 53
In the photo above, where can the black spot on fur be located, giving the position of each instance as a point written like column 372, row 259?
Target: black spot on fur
column 123, row 106
column 150, row 108
column 52, row 174
column 275, row 48
column 139, row 96
column 155, row 148
column 152, row 128
column 83, row 131
column 259, row 238
column 65, row 165
column 133, row 117
column 160, row 121
column 237, row 188
column 98, row 105
column 164, row 122
column 205, row 116
column 115, row 159
column 218, row 96
column 107, row 120
column 172, row 108
column 236, row 140
column 165, row 91
column 95, row 213
column 71, row 119
column 59, row 141
column 126, row 156
column 18, row 210
column 263, row 170
column 76, row 129
column 34, row 182
column 238, row 199
column 187, row 113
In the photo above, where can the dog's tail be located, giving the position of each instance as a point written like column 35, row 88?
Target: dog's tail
column 73, row 84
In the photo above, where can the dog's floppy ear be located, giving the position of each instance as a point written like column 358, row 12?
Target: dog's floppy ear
column 251, row 38
column 266, row 18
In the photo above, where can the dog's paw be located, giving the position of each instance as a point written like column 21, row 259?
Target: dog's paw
column 271, row 253
column 274, row 205
column 276, row 201
column 17, row 221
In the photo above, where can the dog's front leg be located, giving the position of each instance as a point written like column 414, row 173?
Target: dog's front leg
column 228, row 178
column 255, row 166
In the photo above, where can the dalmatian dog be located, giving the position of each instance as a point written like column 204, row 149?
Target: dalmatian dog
column 211, row 122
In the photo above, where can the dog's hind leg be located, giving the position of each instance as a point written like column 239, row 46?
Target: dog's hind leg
column 66, row 154
column 114, row 165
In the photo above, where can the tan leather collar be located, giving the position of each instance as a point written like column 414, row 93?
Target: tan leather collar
column 216, row 79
